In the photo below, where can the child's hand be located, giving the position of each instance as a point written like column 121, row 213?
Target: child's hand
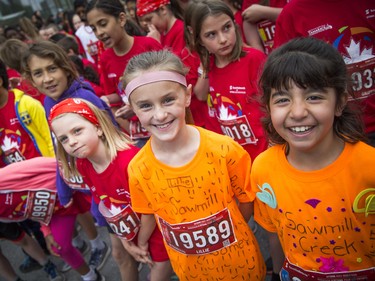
column 124, row 112
column 145, row 259
column 138, row 253
column 52, row 245
column 153, row 32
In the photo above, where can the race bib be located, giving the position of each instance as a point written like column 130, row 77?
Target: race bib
column 40, row 205
column 137, row 131
column 201, row 236
column 238, row 129
column 124, row 224
column 13, row 155
column 363, row 77
column 292, row 272
column 266, row 31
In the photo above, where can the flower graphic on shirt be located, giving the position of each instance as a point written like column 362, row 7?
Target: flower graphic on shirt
column 8, row 144
column 267, row 195
column 332, row 265
column 355, row 54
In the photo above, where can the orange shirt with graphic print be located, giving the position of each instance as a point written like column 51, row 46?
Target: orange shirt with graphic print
column 196, row 209
column 319, row 216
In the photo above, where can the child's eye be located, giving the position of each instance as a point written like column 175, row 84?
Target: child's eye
column 77, row 131
column 210, row 35
column 227, row 27
column 314, row 98
column 53, row 68
column 280, row 101
column 168, row 100
column 63, row 140
column 145, row 106
column 36, row 74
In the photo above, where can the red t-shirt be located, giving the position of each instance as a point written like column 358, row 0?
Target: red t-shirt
column 233, row 93
column 174, row 38
column 15, row 143
column 113, row 66
column 198, row 108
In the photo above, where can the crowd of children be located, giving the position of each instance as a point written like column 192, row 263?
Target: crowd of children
column 173, row 122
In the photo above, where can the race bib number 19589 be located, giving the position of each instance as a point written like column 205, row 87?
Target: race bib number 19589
column 200, row 237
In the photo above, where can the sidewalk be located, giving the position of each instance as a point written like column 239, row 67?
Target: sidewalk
column 110, row 270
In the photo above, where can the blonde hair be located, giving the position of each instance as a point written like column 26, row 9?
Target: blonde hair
column 113, row 138
column 152, row 61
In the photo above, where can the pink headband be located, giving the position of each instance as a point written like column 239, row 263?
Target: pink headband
column 151, row 77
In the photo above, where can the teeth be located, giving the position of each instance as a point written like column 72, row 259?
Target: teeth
column 300, row 129
column 162, row 126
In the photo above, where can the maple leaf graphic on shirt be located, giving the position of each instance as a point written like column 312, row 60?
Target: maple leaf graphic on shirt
column 355, row 54
column 8, row 144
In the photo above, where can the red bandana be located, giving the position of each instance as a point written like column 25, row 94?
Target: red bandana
column 145, row 7
column 72, row 105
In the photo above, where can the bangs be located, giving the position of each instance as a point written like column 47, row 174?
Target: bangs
column 304, row 70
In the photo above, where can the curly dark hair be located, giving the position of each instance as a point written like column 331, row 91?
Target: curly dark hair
column 311, row 63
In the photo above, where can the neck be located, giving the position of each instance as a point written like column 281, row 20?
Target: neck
column 124, row 45
column 170, row 24
column 100, row 160
column 179, row 152
column 318, row 157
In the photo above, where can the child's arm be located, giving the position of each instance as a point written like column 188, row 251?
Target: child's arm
column 252, row 35
column 50, row 241
column 148, row 225
column 247, row 210
column 201, row 87
column 277, row 253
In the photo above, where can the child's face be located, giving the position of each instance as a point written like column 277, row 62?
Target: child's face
column 304, row 118
column 218, row 35
column 77, row 21
column 160, row 107
column 79, row 137
column 50, row 79
column 156, row 19
column 107, row 28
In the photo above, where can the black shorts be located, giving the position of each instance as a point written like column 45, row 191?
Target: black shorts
column 11, row 231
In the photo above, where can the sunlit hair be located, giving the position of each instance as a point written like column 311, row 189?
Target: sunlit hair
column 49, row 50
column 113, row 138
column 109, row 7
column 311, row 63
column 202, row 10
column 11, row 52
column 152, row 61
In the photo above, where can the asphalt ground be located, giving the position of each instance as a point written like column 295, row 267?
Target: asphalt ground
column 110, row 269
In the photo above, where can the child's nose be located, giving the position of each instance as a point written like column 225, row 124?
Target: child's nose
column 298, row 110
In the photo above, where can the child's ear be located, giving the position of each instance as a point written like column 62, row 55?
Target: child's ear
column 189, row 90
column 122, row 19
column 341, row 104
column 99, row 131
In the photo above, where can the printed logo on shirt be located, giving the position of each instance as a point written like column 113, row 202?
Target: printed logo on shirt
column 237, row 90
column 370, row 13
column 319, row 29
column 14, row 121
column 112, row 75
column 25, row 117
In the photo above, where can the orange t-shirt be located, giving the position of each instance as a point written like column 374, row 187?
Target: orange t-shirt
column 319, row 216
column 196, row 209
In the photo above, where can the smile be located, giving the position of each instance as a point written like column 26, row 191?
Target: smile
column 163, row 126
column 301, row 129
